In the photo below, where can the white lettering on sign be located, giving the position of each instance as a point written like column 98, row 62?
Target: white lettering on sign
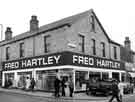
column 83, row 60
column 12, row 65
column 40, row 61
column 106, row 63
column 33, row 62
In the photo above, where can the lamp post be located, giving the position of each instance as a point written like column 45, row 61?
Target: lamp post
column 1, row 31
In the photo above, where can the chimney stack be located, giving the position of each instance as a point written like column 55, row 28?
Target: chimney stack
column 34, row 23
column 8, row 34
column 127, row 43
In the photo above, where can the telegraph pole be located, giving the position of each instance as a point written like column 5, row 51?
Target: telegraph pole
column 1, row 32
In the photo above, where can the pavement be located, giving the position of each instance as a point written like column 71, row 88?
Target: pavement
column 77, row 96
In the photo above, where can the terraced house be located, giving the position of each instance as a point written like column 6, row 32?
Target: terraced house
column 77, row 46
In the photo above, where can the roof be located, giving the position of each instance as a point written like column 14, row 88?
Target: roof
column 66, row 21
column 49, row 27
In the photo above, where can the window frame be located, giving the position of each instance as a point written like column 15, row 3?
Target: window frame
column 46, row 44
column 115, row 52
column 21, row 50
column 93, row 23
column 7, row 53
column 93, row 46
column 82, row 43
column 103, row 49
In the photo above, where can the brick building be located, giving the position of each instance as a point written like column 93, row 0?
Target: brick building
column 77, row 46
column 128, row 58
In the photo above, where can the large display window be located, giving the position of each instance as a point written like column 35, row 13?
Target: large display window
column 105, row 75
column 21, row 78
column 9, row 80
column 45, row 78
column 80, row 80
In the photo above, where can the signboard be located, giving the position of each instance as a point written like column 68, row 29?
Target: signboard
column 63, row 58
column 130, row 66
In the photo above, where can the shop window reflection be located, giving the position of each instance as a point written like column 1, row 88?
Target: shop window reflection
column 80, row 80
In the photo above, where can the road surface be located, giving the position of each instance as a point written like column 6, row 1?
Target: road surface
column 11, row 97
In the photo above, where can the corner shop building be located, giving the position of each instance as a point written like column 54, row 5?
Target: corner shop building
column 79, row 66
column 67, row 45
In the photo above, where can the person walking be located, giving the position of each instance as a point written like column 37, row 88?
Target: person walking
column 121, row 89
column 63, row 86
column 27, row 83
column 71, row 86
column 115, row 91
column 32, row 84
column 57, row 87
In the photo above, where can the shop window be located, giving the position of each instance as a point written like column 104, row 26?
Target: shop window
column 115, row 52
column 96, row 75
column 81, row 42
column 93, row 46
column 92, row 23
column 105, row 75
column 7, row 53
column 21, row 49
column 103, row 49
column 115, row 75
column 9, row 80
column 80, row 80
column 22, row 78
column 123, row 77
column 46, row 44
column 45, row 80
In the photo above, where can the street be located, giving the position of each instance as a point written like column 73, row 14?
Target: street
column 11, row 97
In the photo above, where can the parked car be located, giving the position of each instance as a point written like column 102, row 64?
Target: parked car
column 100, row 86
column 128, row 88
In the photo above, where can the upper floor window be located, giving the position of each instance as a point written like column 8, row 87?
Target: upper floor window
column 21, row 49
column 81, row 42
column 93, row 46
column 115, row 52
column 103, row 49
column 46, row 44
column 7, row 53
column 92, row 23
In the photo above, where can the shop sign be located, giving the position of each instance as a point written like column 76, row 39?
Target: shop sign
column 32, row 62
column 130, row 66
column 95, row 62
column 63, row 58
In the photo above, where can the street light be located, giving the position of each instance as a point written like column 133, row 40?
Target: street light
column 1, row 31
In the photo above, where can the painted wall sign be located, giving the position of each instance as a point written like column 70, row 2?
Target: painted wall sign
column 63, row 58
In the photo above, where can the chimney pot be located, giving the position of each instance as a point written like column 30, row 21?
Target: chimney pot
column 8, row 33
column 127, row 43
column 34, row 23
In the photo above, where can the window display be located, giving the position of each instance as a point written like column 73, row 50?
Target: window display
column 9, row 80
column 22, row 79
column 80, row 80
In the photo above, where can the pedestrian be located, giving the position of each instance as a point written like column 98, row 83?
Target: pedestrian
column 71, row 86
column 115, row 91
column 32, row 84
column 57, row 87
column 63, row 86
column 121, row 89
column 27, row 83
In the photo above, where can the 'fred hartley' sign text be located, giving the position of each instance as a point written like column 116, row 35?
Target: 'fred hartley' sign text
column 95, row 62
column 63, row 58
column 33, row 62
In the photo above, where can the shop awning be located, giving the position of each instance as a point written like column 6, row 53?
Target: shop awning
column 132, row 74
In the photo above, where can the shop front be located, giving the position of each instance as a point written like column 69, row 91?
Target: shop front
column 43, row 69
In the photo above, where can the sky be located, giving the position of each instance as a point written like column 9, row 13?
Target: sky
column 116, row 16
